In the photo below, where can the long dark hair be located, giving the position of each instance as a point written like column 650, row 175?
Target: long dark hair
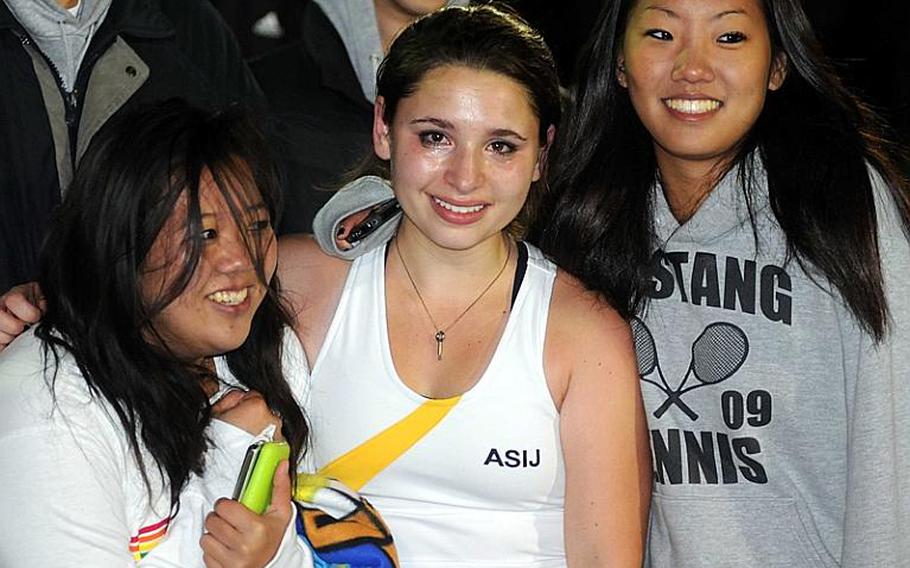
column 125, row 189
column 604, row 168
column 484, row 37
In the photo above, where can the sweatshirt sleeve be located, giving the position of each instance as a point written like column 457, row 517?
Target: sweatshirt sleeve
column 223, row 463
column 222, row 466
column 62, row 504
column 359, row 195
column 71, row 491
column 877, row 523
column 67, row 477
column 293, row 551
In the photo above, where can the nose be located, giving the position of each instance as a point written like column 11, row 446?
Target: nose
column 231, row 252
column 693, row 65
column 465, row 171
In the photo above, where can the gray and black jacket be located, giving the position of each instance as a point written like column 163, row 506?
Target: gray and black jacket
column 143, row 51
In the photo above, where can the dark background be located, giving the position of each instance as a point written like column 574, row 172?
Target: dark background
column 869, row 40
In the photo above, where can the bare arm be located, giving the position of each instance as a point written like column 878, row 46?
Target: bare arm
column 312, row 282
column 603, row 430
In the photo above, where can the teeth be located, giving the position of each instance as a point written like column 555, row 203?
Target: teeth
column 229, row 297
column 457, row 208
column 689, row 106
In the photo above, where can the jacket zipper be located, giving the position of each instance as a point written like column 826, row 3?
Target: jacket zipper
column 71, row 98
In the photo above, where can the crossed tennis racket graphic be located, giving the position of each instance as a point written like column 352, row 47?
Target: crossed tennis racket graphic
column 718, row 352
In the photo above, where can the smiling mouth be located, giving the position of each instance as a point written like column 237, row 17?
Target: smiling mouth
column 461, row 209
column 692, row 106
column 229, row 297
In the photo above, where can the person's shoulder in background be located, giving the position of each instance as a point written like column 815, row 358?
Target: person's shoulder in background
column 321, row 116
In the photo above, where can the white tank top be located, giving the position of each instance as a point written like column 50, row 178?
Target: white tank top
column 475, row 480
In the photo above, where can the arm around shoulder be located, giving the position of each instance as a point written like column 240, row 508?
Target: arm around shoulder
column 603, row 429
column 348, row 207
column 20, row 307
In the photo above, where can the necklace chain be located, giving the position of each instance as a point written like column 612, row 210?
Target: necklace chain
column 441, row 331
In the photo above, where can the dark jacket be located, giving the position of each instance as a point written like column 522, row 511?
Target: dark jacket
column 145, row 50
column 322, row 117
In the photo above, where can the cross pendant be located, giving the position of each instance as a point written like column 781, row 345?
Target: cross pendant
column 440, row 337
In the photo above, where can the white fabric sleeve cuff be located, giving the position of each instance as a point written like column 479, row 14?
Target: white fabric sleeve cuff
column 293, row 552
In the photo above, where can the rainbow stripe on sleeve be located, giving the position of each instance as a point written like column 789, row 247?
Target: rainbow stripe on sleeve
column 148, row 538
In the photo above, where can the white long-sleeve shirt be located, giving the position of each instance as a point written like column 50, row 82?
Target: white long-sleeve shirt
column 71, row 491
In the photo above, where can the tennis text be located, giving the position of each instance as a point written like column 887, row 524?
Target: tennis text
column 683, row 456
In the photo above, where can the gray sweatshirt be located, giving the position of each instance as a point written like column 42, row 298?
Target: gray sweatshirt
column 780, row 432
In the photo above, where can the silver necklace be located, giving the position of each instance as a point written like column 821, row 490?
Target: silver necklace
column 441, row 331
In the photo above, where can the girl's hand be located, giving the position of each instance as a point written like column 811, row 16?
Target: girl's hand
column 20, row 307
column 347, row 225
column 248, row 411
column 239, row 538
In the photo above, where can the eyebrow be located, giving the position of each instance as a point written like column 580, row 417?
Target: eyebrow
column 730, row 13
column 445, row 124
column 665, row 11
column 251, row 209
column 673, row 14
column 505, row 132
column 435, row 121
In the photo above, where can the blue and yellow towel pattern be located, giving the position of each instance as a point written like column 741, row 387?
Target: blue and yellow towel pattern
column 340, row 527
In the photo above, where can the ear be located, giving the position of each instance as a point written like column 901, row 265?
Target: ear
column 542, row 154
column 778, row 71
column 382, row 145
column 621, row 71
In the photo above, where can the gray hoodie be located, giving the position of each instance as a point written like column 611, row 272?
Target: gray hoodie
column 780, row 433
column 62, row 36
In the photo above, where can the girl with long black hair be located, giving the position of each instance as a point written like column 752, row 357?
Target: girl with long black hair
column 721, row 187
column 160, row 297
